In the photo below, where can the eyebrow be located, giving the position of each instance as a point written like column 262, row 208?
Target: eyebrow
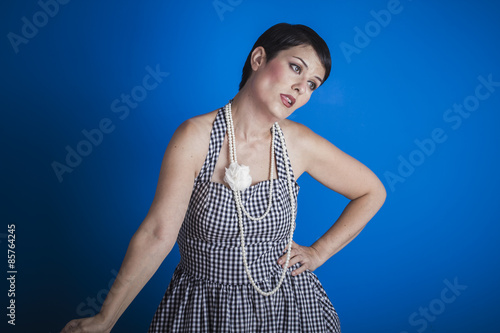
column 321, row 81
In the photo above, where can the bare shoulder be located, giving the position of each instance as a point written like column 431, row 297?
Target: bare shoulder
column 311, row 153
column 200, row 125
column 194, row 133
column 191, row 139
column 295, row 131
column 300, row 141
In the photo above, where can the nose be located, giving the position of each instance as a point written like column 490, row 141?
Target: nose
column 300, row 86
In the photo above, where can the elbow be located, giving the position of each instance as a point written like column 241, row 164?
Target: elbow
column 153, row 242
column 155, row 231
column 374, row 194
column 379, row 193
column 162, row 235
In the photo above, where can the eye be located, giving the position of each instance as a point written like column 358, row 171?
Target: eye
column 296, row 68
column 312, row 85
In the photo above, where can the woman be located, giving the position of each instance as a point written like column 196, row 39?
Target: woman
column 232, row 210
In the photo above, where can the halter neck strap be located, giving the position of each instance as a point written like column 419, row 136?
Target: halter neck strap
column 217, row 136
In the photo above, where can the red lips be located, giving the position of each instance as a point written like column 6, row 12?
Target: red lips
column 288, row 100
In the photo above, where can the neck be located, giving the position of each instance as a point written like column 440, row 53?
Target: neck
column 251, row 121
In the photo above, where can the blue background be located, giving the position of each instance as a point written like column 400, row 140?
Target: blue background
column 440, row 220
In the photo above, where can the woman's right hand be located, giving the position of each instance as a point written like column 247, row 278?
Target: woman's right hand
column 87, row 325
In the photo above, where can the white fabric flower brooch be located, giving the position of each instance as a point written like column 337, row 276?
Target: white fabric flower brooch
column 238, row 177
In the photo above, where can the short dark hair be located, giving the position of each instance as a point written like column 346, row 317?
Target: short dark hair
column 283, row 36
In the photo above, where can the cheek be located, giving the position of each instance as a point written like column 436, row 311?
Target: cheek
column 275, row 73
column 302, row 101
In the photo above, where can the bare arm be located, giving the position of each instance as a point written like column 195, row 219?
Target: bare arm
column 345, row 175
column 156, row 235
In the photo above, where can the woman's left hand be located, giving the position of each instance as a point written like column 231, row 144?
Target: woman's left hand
column 308, row 257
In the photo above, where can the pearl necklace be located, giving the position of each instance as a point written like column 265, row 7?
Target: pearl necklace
column 238, row 177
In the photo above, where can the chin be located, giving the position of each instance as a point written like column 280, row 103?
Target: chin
column 282, row 112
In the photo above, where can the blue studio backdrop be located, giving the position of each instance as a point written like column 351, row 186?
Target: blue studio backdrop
column 92, row 91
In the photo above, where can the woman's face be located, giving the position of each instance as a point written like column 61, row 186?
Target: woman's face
column 286, row 83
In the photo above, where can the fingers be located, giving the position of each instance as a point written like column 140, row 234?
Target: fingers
column 299, row 270
column 282, row 259
column 294, row 245
column 298, row 254
column 70, row 327
column 67, row 328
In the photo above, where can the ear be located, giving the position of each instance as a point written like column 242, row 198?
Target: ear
column 258, row 58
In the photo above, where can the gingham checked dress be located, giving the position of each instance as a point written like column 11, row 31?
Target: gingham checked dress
column 209, row 291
